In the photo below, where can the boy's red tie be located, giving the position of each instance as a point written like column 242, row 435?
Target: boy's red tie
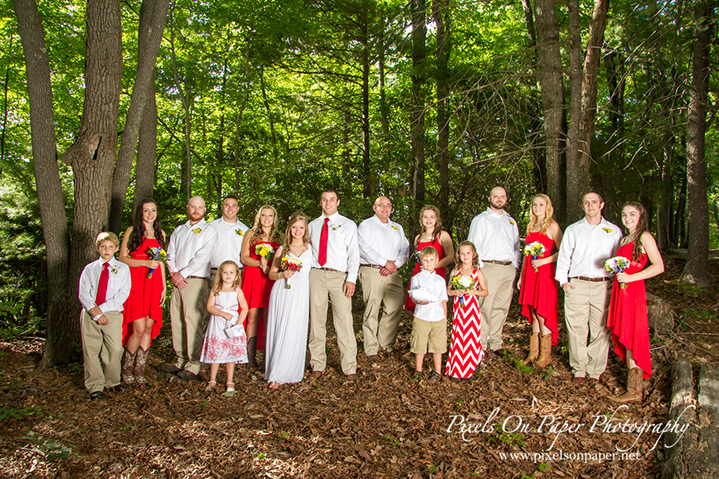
column 102, row 286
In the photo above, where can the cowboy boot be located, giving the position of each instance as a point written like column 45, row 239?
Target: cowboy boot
column 140, row 362
column 252, row 352
column 533, row 348
column 635, row 386
column 545, row 351
column 128, row 367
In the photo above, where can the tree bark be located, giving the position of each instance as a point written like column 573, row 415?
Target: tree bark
column 443, row 21
column 577, row 176
column 365, row 59
column 550, row 81
column 187, row 170
column 419, row 57
column 696, row 268
column 61, row 330
column 153, row 16
column 146, row 151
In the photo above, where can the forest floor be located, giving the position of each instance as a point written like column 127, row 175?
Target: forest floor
column 522, row 422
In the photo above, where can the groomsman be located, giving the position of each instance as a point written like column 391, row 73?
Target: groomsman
column 383, row 250
column 188, row 261
column 496, row 237
column 586, row 245
column 230, row 233
column 335, row 262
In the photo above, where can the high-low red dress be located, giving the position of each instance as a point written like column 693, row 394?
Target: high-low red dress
column 540, row 290
column 437, row 245
column 256, row 286
column 145, row 294
column 628, row 317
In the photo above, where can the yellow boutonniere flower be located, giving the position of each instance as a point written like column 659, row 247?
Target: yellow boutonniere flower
column 608, row 230
column 240, row 233
column 197, row 230
column 394, row 227
column 511, row 222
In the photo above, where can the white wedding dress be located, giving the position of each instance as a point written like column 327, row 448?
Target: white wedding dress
column 287, row 325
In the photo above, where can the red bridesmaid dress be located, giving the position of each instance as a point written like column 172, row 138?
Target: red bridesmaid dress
column 540, row 290
column 145, row 293
column 435, row 243
column 628, row 317
column 256, row 286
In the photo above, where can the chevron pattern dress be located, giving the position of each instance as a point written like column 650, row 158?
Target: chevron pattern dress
column 466, row 350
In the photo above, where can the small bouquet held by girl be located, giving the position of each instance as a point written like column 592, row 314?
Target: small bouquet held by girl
column 617, row 265
column 462, row 283
column 155, row 254
column 534, row 249
column 290, row 264
column 265, row 250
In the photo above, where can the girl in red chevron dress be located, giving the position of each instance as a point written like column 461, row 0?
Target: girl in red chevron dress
column 538, row 288
column 466, row 351
column 628, row 319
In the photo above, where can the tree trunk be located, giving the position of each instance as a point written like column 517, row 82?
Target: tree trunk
column 550, row 81
column 6, row 88
column 419, row 57
column 61, row 330
column 696, row 269
column 577, row 176
column 383, row 108
column 443, row 21
column 146, row 151
column 187, row 170
column 270, row 117
column 153, row 16
column 366, row 159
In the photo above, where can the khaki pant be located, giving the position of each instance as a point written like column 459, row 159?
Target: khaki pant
column 101, row 343
column 585, row 311
column 188, row 308
column 324, row 284
column 378, row 289
column 495, row 307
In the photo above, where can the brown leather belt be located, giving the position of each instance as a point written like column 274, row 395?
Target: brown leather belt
column 196, row 277
column 501, row 263
column 375, row 266
column 330, row 269
column 591, row 280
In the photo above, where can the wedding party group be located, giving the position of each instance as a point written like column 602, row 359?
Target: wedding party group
column 264, row 290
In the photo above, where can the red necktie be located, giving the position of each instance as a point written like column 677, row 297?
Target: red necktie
column 102, row 286
column 322, row 259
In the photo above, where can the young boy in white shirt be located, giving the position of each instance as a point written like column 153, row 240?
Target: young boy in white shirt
column 104, row 288
column 429, row 328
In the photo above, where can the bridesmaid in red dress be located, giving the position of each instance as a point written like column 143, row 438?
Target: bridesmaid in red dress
column 256, row 283
column 538, row 288
column 628, row 318
column 432, row 235
column 142, row 317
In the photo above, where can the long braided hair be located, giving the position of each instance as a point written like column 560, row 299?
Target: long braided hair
column 138, row 227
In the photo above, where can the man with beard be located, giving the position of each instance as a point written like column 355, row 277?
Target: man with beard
column 496, row 237
column 188, row 261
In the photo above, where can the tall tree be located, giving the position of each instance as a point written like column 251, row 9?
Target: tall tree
column 696, row 268
column 418, row 10
column 443, row 21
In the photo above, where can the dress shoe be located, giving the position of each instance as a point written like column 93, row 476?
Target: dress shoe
column 316, row 374
column 578, row 380
column 120, row 387
column 96, row 395
column 499, row 352
column 352, row 377
column 187, row 376
column 170, row 368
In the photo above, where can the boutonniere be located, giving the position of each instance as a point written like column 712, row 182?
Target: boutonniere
column 240, row 233
column 112, row 269
column 608, row 230
column 197, row 230
column 511, row 222
column 394, row 227
column 336, row 227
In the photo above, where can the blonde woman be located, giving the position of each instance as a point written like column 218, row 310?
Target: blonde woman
column 538, row 292
column 256, row 282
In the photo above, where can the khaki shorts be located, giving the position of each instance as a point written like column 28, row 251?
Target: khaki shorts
column 428, row 336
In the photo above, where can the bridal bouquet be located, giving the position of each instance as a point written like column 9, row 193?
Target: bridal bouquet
column 534, row 249
column 290, row 264
column 617, row 265
column 264, row 250
column 462, row 282
column 156, row 254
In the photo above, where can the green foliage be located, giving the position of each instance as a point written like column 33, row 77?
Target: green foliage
column 13, row 413
column 51, row 449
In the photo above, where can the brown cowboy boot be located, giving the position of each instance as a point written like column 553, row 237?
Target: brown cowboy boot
column 635, row 386
column 140, row 362
column 128, row 367
column 252, row 352
column 545, row 351
column 533, row 349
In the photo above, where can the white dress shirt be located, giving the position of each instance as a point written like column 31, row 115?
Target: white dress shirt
column 229, row 242
column 496, row 237
column 381, row 242
column 433, row 283
column 190, row 249
column 118, row 286
column 585, row 248
column 342, row 248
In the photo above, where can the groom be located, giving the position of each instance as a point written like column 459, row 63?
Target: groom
column 335, row 263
